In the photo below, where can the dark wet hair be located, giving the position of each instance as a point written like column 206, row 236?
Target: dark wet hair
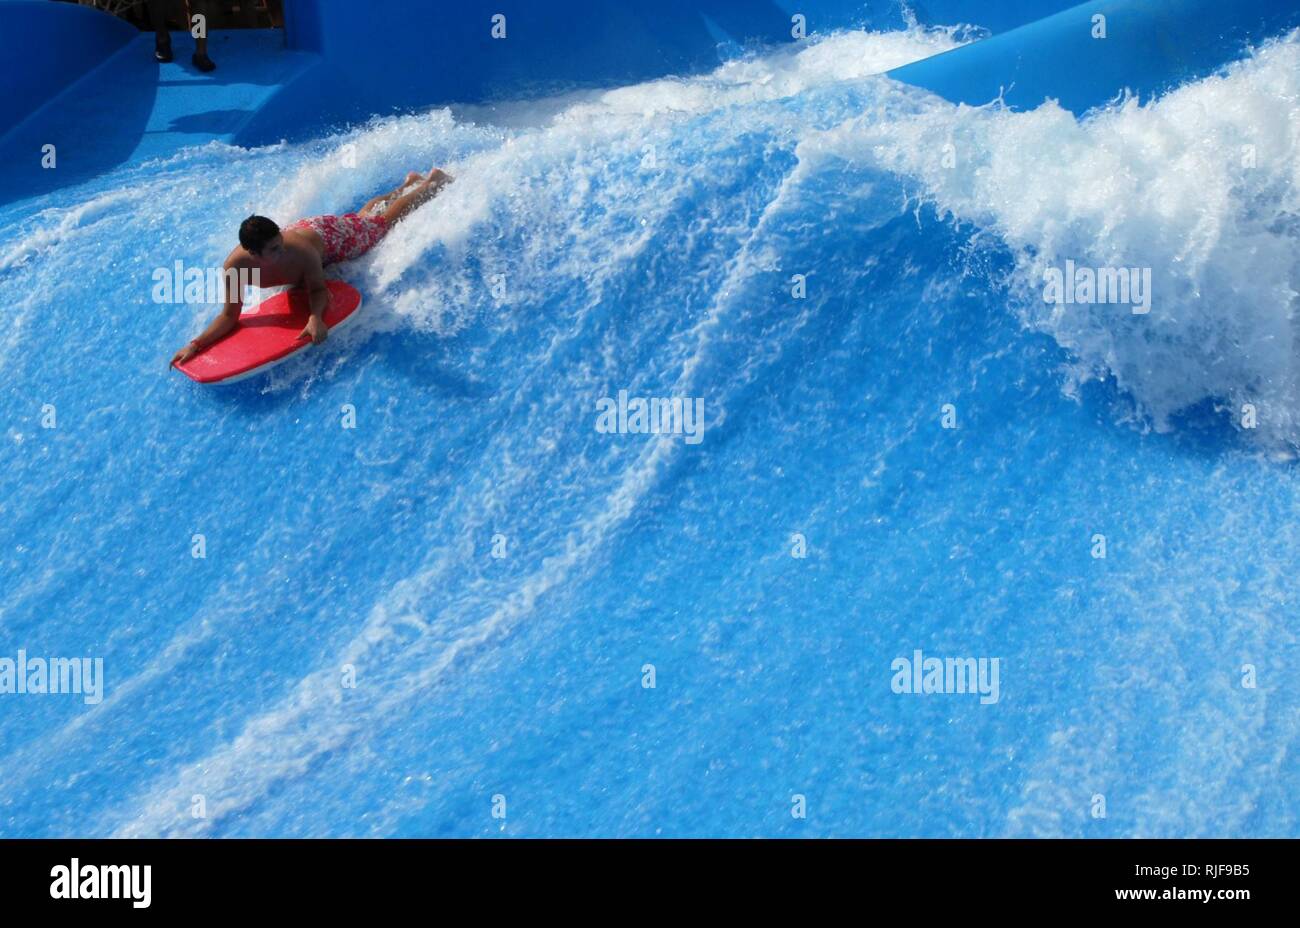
column 256, row 232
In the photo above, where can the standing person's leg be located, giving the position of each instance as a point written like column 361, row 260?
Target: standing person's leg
column 162, row 42
column 200, row 8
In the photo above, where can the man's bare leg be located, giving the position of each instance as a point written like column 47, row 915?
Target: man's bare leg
column 413, row 178
column 426, row 190
column 377, row 201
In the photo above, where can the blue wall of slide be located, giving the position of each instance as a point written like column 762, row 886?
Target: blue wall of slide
column 47, row 46
column 1085, row 55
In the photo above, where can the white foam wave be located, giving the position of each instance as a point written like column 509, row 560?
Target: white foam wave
column 1201, row 185
column 584, row 135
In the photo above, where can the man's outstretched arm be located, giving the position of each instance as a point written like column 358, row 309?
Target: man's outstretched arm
column 219, row 326
column 318, row 297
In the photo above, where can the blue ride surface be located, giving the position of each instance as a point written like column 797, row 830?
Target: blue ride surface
column 427, row 579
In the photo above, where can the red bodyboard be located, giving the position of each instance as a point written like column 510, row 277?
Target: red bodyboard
column 267, row 335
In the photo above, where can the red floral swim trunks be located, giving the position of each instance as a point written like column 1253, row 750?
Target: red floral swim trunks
column 346, row 237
